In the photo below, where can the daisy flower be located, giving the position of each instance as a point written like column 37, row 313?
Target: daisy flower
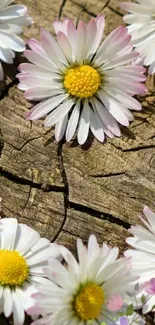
column 79, row 293
column 81, row 83
column 142, row 28
column 143, row 256
column 12, row 20
column 23, row 254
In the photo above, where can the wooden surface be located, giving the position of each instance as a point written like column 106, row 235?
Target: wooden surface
column 64, row 190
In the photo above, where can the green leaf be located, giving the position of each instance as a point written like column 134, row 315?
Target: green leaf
column 136, row 287
column 130, row 294
column 142, row 299
column 120, row 313
column 129, row 310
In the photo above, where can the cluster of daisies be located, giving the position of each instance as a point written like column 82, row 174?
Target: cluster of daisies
column 82, row 85
column 45, row 280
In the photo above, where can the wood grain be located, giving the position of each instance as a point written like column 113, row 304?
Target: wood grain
column 63, row 190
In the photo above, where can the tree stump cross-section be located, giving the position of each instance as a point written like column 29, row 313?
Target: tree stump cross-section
column 65, row 191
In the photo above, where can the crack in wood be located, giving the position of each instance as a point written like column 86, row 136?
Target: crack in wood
column 15, row 147
column 88, row 12
column 7, row 88
column 27, row 201
column 99, row 215
column 108, row 175
column 106, row 4
column 65, row 190
column 84, row 9
column 23, row 181
column 66, row 187
column 66, row 207
column 28, row 141
column 142, row 147
column 1, row 143
column 74, row 235
column 115, row 11
column 61, row 8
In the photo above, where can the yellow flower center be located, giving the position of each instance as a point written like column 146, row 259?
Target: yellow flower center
column 13, row 268
column 82, row 81
column 89, row 301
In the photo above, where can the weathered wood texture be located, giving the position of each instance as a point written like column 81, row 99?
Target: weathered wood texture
column 63, row 190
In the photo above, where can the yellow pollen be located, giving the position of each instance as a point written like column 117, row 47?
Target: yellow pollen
column 13, row 268
column 82, row 81
column 89, row 301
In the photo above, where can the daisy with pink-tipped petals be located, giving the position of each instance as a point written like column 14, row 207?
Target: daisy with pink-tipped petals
column 12, row 20
column 79, row 293
column 141, row 20
column 143, row 258
column 81, row 83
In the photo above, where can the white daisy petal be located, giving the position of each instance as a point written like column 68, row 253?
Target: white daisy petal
column 13, row 41
column 6, row 55
column 71, row 261
column 11, row 28
column 113, row 37
column 72, row 36
column 119, row 61
column 57, row 277
column 41, row 93
column 79, row 70
column 96, row 126
column 8, row 235
column 26, row 294
column 60, row 128
column 73, row 122
column 8, row 302
column 150, row 215
column 40, row 59
column 91, row 35
column 36, row 46
column 31, row 69
column 52, row 49
column 127, row 100
column 65, row 45
column 18, row 310
column 107, row 118
column 13, row 12
column 81, row 41
column 27, row 237
column 58, row 113
column 5, row 3
column 45, row 107
column 115, row 109
column 40, row 257
column 93, row 248
column 100, row 23
column 60, row 27
column 84, row 123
